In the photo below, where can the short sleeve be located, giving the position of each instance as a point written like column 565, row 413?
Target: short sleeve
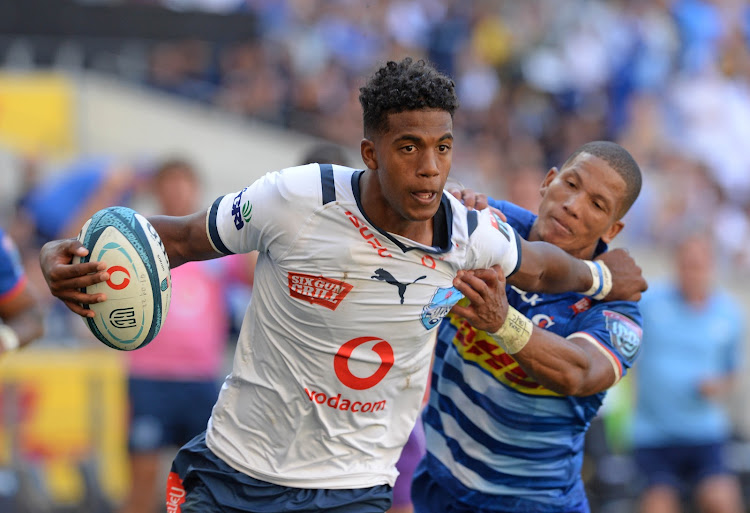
column 268, row 212
column 616, row 329
column 494, row 242
column 12, row 277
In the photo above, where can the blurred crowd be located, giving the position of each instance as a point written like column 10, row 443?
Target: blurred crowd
column 668, row 79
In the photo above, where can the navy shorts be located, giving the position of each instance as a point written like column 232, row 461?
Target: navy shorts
column 200, row 482
column 168, row 413
column 429, row 496
column 680, row 466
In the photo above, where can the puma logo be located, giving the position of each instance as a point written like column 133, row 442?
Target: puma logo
column 383, row 275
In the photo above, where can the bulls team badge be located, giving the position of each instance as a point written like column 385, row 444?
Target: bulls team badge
column 440, row 304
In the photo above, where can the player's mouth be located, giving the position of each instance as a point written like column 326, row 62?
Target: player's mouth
column 424, row 197
column 561, row 226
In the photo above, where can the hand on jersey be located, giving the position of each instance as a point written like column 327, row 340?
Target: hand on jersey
column 485, row 288
column 65, row 279
column 627, row 278
column 475, row 200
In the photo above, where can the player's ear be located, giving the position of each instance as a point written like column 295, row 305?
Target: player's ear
column 551, row 174
column 369, row 156
column 612, row 231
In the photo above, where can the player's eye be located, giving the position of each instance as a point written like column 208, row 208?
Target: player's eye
column 444, row 148
column 409, row 148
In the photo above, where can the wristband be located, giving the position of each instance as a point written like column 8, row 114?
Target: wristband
column 515, row 332
column 606, row 281
column 8, row 338
column 601, row 279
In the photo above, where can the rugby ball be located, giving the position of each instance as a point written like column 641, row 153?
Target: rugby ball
column 139, row 287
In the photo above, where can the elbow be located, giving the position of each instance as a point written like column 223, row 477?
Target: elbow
column 570, row 383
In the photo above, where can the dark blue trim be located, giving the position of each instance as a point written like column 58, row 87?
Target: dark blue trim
column 444, row 204
column 518, row 252
column 327, row 184
column 213, row 230
column 471, row 221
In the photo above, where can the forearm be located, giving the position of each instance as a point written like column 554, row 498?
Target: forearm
column 28, row 327
column 24, row 317
column 547, row 268
column 184, row 238
column 555, row 363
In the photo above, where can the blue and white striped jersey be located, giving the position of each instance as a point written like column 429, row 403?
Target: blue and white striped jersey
column 494, row 435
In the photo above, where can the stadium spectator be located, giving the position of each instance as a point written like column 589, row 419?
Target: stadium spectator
column 505, row 425
column 693, row 334
column 174, row 381
column 308, row 420
column 20, row 314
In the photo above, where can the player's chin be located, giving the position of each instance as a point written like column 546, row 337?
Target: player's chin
column 421, row 214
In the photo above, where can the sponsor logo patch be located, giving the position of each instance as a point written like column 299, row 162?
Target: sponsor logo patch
column 318, row 290
column 367, row 235
column 624, row 334
column 175, row 493
column 341, row 362
column 236, row 212
column 383, row 275
column 440, row 304
column 581, row 305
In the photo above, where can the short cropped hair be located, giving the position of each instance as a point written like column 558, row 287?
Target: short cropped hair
column 404, row 86
column 622, row 162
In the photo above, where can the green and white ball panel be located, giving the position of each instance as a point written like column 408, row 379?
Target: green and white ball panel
column 139, row 287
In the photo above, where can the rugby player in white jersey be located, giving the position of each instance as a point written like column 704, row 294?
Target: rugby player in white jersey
column 355, row 272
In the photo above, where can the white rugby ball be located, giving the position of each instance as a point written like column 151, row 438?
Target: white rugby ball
column 139, row 288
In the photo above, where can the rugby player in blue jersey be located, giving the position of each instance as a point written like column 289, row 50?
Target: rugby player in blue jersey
column 21, row 319
column 510, row 405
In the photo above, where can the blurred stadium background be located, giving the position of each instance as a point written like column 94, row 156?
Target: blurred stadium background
column 242, row 87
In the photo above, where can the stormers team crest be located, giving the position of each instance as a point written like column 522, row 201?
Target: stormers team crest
column 624, row 334
column 440, row 304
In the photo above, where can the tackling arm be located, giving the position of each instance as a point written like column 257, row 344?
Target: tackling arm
column 574, row 366
column 547, row 268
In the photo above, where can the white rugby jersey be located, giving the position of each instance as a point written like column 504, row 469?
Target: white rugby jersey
column 334, row 353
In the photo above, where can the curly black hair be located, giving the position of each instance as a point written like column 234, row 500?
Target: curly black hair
column 402, row 86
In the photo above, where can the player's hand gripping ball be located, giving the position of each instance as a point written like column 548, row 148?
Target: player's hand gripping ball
column 140, row 284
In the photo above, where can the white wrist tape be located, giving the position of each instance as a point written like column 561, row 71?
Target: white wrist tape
column 515, row 332
column 8, row 338
column 601, row 283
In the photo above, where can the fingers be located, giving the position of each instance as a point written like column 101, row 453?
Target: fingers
column 469, row 198
column 481, row 202
column 77, row 275
column 467, row 312
column 456, row 193
column 499, row 214
column 78, row 309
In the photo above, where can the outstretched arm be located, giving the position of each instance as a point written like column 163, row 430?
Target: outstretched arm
column 547, row 268
column 184, row 239
column 574, row 366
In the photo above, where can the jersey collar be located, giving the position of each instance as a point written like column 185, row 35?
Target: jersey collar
column 442, row 226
